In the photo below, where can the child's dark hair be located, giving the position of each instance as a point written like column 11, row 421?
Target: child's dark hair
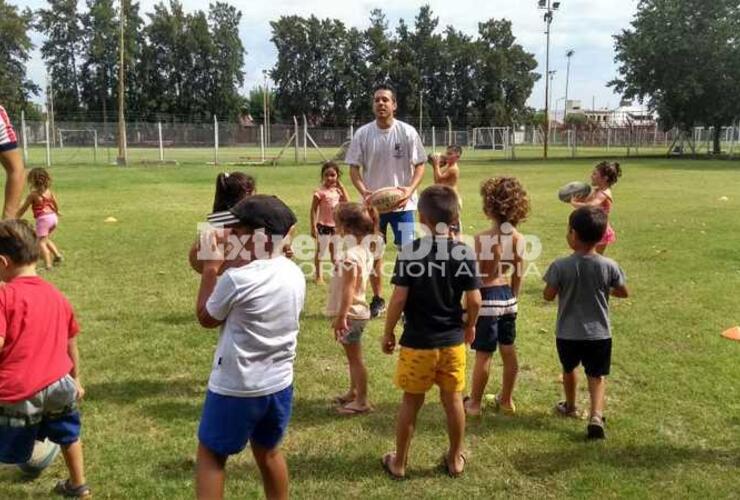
column 611, row 171
column 330, row 164
column 439, row 204
column 455, row 149
column 589, row 223
column 356, row 219
column 231, row 188
column 39, row 178
column 505, row 200
column 18, row 242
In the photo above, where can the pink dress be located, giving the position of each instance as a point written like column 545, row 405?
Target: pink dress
column 610, row 236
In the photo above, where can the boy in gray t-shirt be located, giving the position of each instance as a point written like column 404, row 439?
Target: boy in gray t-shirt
column 583, row 282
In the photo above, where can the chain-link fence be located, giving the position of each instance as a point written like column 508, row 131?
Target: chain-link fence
column 224, row 143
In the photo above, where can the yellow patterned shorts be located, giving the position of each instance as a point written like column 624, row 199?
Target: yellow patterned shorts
column 419, row 369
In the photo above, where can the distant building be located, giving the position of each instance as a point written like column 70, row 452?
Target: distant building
column 625, row 115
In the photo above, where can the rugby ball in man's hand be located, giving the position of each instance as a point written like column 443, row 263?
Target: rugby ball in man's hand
column 44, row 453
column 386, row 200
column 573, row 190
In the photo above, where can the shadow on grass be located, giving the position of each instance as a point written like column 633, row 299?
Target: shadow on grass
column 342, row 468
column 176, row 319
column 175, row 411
column 131, row 390
column 652, row 456
column 696, row 164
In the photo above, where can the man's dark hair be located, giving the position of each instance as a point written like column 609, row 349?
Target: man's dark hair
column 18, row 242
column 385, row 86
column 589, row 223
column 439, row 204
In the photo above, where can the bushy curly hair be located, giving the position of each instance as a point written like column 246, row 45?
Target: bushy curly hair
column 611, row 171
column 505, row 200
column 39, row 179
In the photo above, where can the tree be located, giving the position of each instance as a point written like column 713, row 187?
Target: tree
column 61, row 25
column 683, row 58
column 228, row 62
column 99, row 59
column 15, row 88
column 504, row 73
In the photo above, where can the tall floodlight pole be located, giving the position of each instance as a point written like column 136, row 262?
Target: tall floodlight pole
column 122, row 156
column 50, row 105
column 264, row 107
column 549, row 7
column 568, row 54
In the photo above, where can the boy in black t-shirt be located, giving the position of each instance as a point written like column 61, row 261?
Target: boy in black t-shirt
column 430, row 277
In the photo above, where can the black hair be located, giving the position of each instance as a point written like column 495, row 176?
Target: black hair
column 385, row 86
column 589, row 223
column 231, row 188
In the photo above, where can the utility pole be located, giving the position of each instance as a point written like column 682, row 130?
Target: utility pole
column 50, row 108
column 568, row 54
column 122, row 153
column 421, row 111
column 549, row 7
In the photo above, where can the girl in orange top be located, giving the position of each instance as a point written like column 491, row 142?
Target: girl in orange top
column 325, row 200
column 46, row 212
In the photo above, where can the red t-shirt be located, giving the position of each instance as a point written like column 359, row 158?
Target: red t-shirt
column 37, row 322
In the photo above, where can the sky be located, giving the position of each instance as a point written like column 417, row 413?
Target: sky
column 586, row 26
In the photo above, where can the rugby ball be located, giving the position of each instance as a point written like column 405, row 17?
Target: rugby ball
column 44, row 453
column 385, row 200
column 575, row 190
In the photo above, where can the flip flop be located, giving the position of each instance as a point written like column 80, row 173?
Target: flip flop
column 446, row 466
column 385, row 463
column 344, row 410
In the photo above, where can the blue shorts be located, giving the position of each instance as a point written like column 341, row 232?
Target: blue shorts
column 402, row 225
column 497, row 319
column 229, row 422
column 50, row 413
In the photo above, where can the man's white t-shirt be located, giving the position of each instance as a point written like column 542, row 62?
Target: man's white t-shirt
column 261, row 303
column 387, row 156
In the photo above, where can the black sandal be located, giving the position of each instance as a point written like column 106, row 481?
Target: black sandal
column 63, row 488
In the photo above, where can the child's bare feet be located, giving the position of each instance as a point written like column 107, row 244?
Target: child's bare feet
column 354, row 408
column 471, row 409
column 389, row 466
column 344, row 398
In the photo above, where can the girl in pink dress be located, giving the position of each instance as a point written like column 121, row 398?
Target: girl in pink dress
column 45, row 211
column 330, row 193
column 604, row 176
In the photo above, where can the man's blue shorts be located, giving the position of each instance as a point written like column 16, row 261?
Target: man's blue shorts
column 229, row 422
column 402, row 225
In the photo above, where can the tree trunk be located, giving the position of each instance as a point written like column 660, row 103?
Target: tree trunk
column 717, row 139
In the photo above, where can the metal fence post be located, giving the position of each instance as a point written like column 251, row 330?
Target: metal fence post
column 23, row 136
column 161, row 144
column 48, row 144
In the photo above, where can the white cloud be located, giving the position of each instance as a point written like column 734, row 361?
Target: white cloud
column 584, row 25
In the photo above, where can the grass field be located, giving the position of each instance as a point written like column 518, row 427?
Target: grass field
column 673, row 400
column 106, row 155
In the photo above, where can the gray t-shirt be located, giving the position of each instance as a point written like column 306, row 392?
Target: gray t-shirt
column 583, row 283
column 387, row 156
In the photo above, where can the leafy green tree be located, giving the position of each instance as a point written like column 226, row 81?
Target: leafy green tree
column 15, row 88
column 228, row 59
column 60, row 23
column 99, row 59
column 683, row 58
column 504, row 73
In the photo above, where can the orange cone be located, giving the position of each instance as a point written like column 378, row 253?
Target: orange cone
column 732, row 334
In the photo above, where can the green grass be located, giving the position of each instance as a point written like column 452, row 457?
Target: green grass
column 673, row 399
column 229, row 155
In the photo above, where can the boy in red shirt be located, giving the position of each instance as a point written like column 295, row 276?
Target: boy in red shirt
column 39, row 363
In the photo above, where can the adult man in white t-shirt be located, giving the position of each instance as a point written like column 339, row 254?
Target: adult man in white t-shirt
column 387, row 153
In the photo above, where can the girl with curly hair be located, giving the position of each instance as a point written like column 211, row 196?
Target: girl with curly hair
column 499, row 252
column 45, row 209
column 603, row 177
